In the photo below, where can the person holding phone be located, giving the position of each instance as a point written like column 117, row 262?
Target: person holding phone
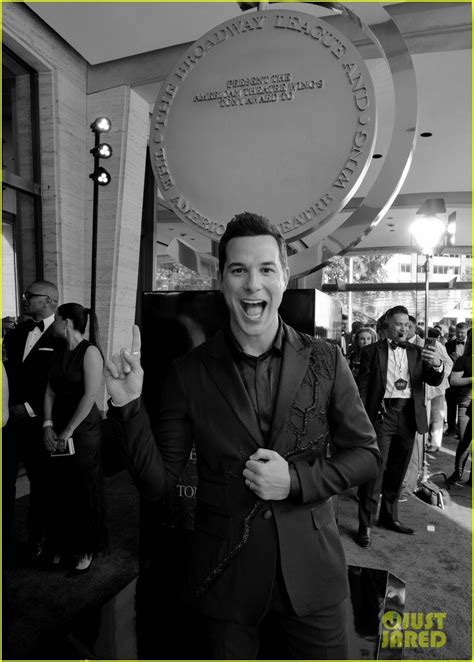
column 391, row 377
column 75, row 522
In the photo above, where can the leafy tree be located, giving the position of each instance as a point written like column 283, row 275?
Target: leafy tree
column 173, row 276
column 365, row 269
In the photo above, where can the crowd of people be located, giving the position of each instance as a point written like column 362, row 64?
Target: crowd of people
column 448, row 404
column 280, row 422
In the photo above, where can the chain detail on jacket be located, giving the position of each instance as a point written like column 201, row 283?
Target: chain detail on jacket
column 321, row 364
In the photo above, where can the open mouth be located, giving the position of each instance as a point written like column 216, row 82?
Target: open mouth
column 253, row 308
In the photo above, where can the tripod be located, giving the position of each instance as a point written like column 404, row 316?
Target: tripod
column 426, row 490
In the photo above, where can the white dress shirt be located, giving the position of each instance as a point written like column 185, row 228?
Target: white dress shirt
column 397, row 368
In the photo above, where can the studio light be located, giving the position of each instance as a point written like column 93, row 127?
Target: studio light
column 427, row 231
column 101, row 176
column 101, row 125
column 103, row 151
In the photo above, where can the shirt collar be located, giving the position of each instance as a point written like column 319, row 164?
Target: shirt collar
column 238, row 352
column 47, row 321
column 389, row 343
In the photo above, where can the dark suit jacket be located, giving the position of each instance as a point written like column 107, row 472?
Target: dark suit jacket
column 27, row 380
column 451, row 349
column 205, row 402
column 372, row 379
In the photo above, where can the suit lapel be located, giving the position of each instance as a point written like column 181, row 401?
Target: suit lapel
column 225, row 374
column 412, row 362
column 382, row 351
column 43, row 341
column 293, row 370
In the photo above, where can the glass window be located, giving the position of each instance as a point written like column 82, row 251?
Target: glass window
column 9, row 302
column 21, row 211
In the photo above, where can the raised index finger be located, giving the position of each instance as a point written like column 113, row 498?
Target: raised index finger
column 136, row 339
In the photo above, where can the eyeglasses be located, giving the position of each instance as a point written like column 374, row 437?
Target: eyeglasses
column 29, row 295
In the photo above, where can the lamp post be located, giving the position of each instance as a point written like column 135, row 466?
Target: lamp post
column 100, row 177
column 427, row 231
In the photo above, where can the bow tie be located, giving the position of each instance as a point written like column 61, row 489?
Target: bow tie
column 31, row 325
column 396, row 343
column 460, row 342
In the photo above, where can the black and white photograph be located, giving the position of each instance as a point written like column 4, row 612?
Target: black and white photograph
column 237, row 330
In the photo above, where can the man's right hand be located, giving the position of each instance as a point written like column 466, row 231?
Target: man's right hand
column 124, row 374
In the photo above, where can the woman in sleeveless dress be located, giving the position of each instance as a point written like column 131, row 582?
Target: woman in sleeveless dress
column 76, row 521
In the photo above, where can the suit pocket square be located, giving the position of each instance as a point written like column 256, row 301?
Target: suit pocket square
column 45, row 349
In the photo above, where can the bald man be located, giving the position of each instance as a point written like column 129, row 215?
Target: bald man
column 28, row 354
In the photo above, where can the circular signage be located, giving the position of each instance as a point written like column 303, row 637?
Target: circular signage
column 272, row 112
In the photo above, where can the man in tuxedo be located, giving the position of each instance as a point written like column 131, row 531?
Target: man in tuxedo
column 262, row 404
column 28, row 355
column 455, row 349
column 390, row 380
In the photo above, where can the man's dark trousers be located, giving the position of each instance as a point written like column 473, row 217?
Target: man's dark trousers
column 319, row 636
column 22, row 441
column 395, row 430
column 452, row 407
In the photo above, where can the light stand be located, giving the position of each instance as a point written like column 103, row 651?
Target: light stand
column 100, row 177
column 425, row 476
column 428, row 232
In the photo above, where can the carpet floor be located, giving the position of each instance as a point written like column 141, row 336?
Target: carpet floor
column 41, row 607
column 435, row 563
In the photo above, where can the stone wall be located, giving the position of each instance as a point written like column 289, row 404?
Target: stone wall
column 66, row 112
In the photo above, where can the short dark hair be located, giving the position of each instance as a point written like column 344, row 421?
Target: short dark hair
column 381, row 323
column 412, row 319
column 461, row 325
column 248, row 224
column 434, row 332
column 396, row 310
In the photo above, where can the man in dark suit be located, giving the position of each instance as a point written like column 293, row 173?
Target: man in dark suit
column 262, row 404
column 28, row 355
column 455, row 349
column 390, row 380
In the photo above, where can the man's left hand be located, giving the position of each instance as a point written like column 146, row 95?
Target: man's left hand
column 430, row 355
column 268, row 475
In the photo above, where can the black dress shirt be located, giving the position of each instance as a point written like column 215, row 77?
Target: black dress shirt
column 260, row 375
